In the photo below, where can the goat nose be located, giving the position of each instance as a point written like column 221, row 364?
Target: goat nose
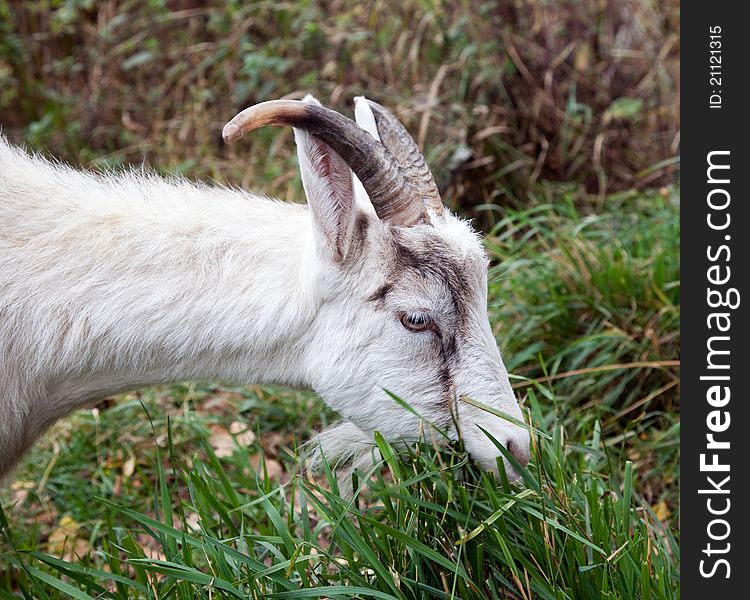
column 520, row 450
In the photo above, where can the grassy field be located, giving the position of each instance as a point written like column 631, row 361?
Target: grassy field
column 555, row 126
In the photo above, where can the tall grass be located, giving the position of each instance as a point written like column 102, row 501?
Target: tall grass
column 423, row 524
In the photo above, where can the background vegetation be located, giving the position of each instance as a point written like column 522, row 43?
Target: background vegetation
column 555, row 125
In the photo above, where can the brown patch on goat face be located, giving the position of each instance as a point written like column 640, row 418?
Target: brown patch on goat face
column 380, row 294
column 432, row 256
column 446, row 385
column 358, row 241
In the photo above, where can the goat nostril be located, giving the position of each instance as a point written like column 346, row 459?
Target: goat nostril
column 519, row 451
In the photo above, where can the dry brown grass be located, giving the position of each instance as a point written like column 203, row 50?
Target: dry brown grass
column 501, row 94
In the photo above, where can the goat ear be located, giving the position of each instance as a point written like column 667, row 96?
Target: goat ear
column 327, row 180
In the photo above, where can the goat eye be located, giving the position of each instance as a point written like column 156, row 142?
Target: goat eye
column 416, row 321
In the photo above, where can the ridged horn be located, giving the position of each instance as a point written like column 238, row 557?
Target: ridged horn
column 397, row 140
column 391, row 190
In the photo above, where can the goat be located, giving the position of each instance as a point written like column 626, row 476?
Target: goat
column 117, row 281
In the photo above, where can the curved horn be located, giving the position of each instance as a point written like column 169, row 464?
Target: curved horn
column 390, row 189
column 395, row 137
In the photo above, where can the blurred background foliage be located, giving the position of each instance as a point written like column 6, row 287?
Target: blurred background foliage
column 503, row 96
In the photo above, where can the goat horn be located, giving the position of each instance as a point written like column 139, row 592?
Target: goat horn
column 395, row 137
column 390, row 189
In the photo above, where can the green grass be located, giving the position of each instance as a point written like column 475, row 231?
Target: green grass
column 588, row 303
column 426, row 525
column 153, row 512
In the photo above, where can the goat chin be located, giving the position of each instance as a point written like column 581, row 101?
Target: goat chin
column 345, row 448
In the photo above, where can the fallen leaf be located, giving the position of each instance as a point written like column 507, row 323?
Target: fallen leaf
column 271, row 442
column 243, row 434
column 661, row 510
column 221, row 441
column 151, row 548
column 66, row 535
column 584, row 57
column 77, row 550
column 20, row 492
column 273, row 467
column 193, row 521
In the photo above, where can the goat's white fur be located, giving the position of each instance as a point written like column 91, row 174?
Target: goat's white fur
column 112, row 282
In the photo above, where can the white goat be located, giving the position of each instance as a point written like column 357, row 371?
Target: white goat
column 112, row 282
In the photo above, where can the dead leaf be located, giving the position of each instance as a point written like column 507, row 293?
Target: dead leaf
column 584, row 57
column 221, row 441
column 271, row 442
column 19, row 497
column 221, row 402
column 243, row 434
column 128, row 467
column 151, row 548
column 20, row 493
column 661, row 510
column 77, row 550
column 47, row 516
column 65, row 542
column 193, row 521
column 273, row 467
